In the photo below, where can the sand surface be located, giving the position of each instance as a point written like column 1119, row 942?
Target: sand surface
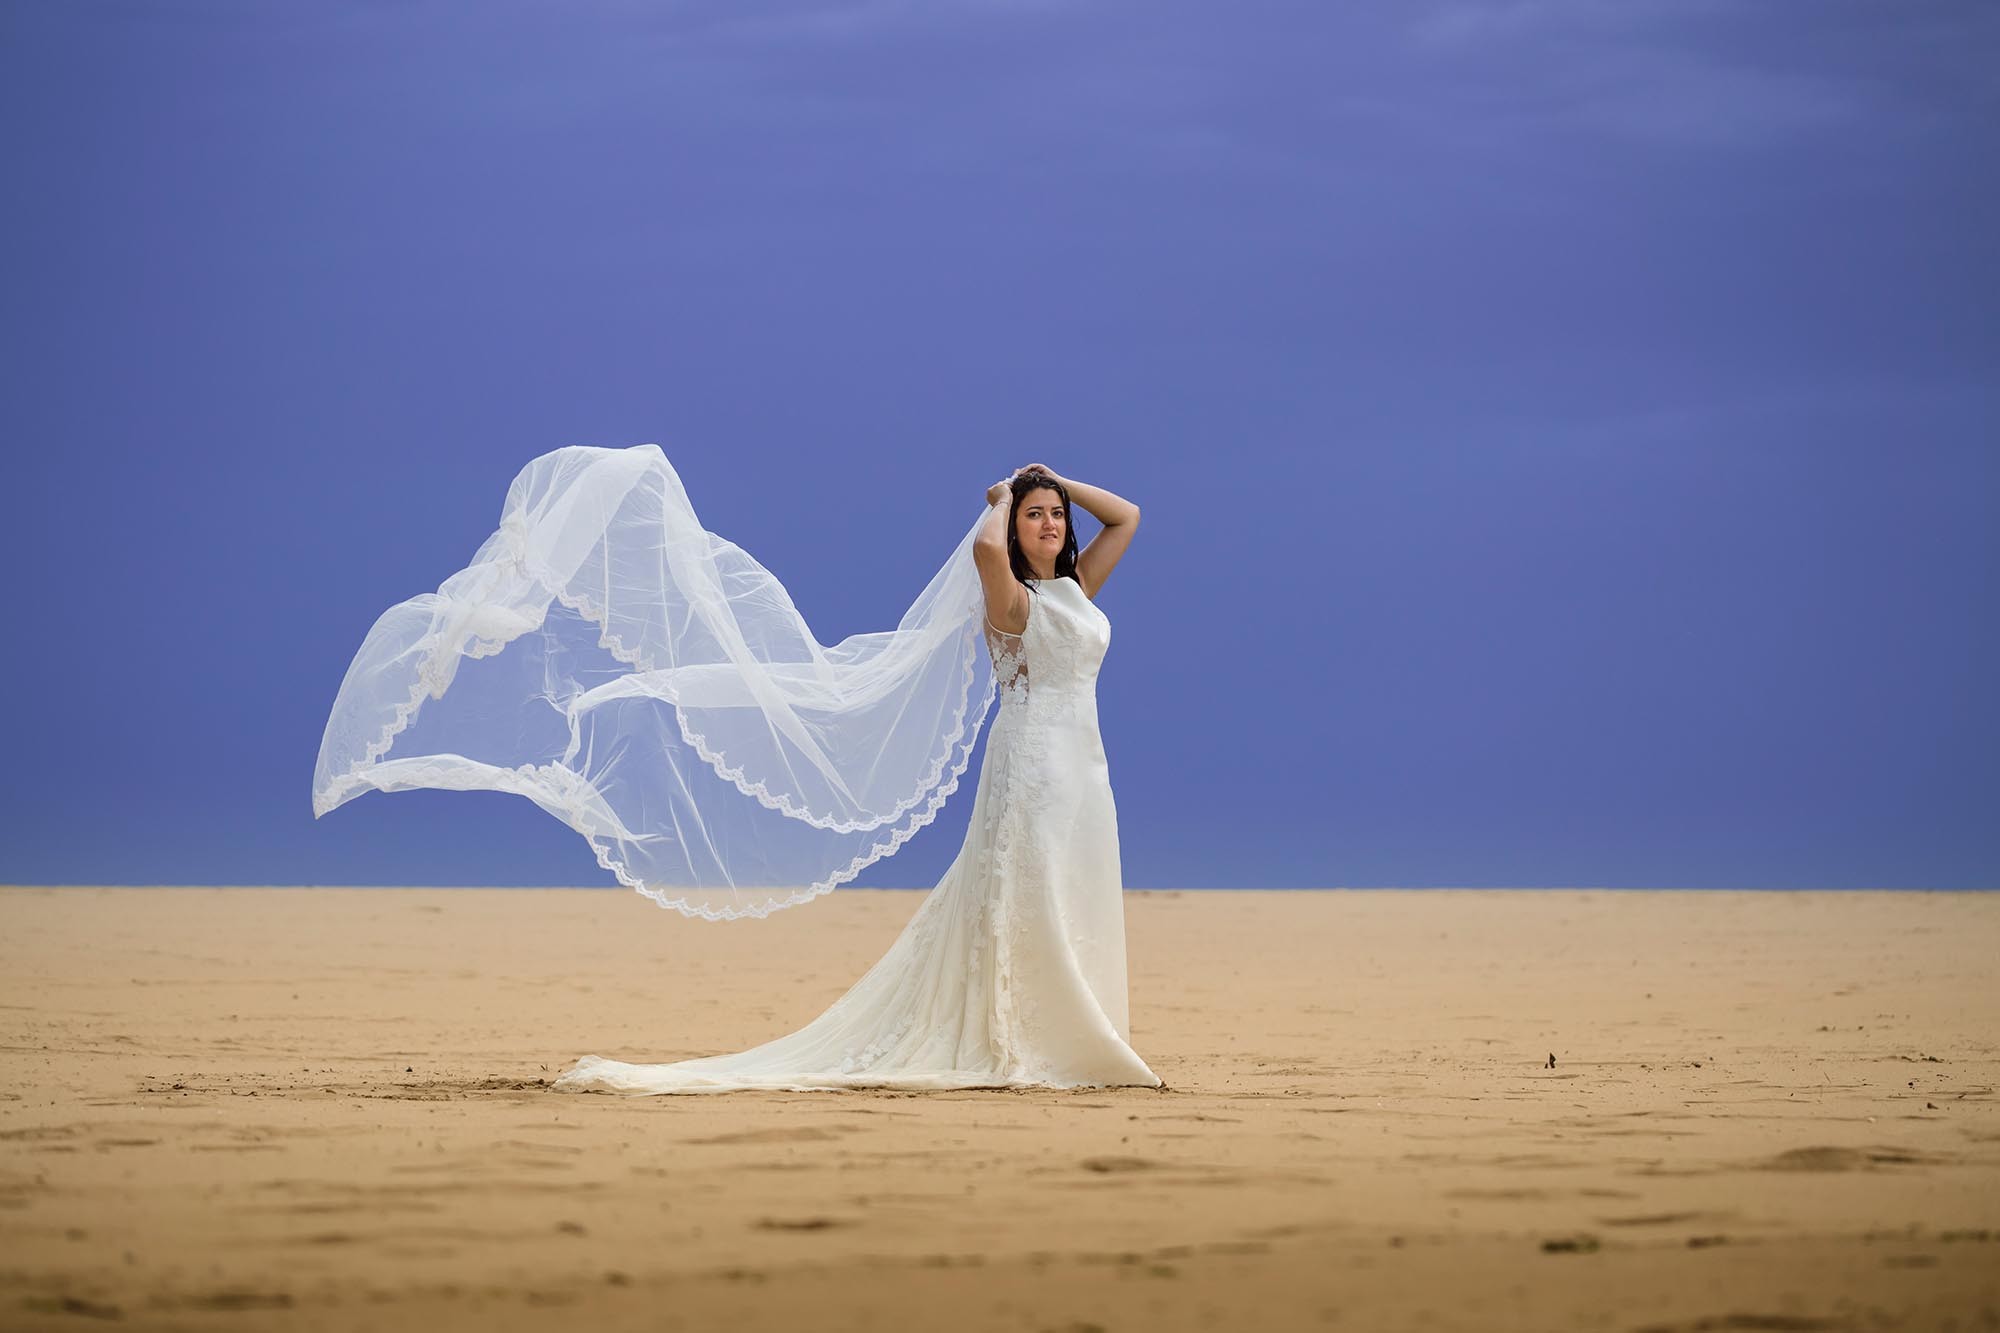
column 319, row 1108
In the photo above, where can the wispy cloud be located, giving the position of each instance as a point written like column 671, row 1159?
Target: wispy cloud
column 1689, row 100
column 1470, row 21
column 1680, row 73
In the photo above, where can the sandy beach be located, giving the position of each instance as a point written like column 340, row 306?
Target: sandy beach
column 323, row 1108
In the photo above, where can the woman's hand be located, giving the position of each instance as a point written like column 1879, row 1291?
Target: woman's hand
column 999, row 489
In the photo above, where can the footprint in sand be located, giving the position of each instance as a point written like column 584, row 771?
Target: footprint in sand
column 798, row 1223
column 1111, row 1165
column 799, row 1134
column 1845, row 1159
column 1661, row 1219
column 241, row 1300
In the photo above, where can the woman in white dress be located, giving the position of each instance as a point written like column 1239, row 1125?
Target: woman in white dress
column 1011, row 973
column 650, row 684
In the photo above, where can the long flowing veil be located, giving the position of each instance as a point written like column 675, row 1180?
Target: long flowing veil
column 652, row 686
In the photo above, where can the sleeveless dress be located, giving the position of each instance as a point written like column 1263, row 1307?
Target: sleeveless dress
column 1011, row 973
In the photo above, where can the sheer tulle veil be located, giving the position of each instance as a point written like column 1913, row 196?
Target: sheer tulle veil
column 652, row 686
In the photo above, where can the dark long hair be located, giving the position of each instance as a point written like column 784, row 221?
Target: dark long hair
column 1016, row 559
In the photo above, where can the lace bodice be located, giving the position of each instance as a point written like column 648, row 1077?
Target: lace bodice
column 1058, row 655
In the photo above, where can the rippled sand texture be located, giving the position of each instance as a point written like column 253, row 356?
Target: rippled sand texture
column 283, row 1108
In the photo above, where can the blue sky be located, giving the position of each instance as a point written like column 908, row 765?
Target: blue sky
column 1568, row 432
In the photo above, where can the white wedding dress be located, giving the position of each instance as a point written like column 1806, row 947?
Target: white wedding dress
column 1011, row 973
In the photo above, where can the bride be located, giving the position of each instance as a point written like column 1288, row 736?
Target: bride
column 663, row 676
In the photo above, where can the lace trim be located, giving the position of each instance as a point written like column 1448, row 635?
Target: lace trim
column 1004, row 1027
column 940, row 786
column 819, row 888
column 430, row 681
column 862, row 1060
column 763, row 795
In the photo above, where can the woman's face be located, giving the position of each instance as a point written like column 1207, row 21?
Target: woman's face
column 1040, row 525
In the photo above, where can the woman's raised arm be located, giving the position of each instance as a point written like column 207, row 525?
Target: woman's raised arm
column 1006, row 599
column 1120, row 518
